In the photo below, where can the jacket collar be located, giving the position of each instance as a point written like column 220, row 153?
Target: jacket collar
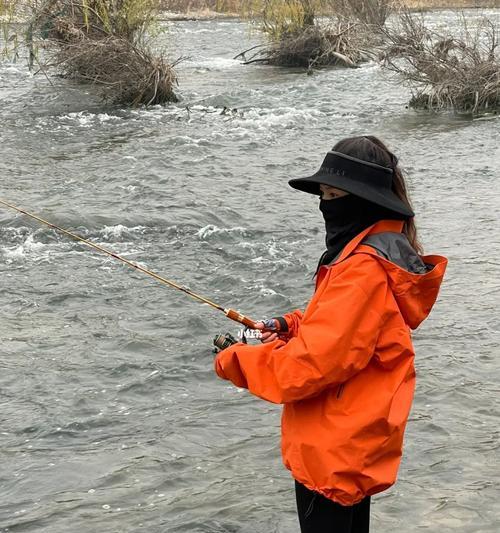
column 394, row 226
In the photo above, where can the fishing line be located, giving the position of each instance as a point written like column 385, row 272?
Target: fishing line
column 230, row 313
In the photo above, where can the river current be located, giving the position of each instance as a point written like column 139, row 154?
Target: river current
column 112, row 418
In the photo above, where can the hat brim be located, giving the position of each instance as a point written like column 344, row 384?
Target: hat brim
column 387, row 199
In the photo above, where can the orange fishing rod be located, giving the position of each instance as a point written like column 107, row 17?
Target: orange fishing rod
column 230, row 313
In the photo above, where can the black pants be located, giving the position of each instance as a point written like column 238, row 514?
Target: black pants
column 318, row 514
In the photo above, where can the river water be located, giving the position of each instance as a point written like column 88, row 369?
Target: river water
column 112, row 417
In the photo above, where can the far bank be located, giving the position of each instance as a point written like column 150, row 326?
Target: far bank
column 212, row 8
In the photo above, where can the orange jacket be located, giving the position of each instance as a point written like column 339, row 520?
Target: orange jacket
column 346, row 375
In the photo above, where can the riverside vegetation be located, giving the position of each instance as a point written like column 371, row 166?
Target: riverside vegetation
column 444, row 70
column 459, row 72
column 106, row 42
column 312, row 33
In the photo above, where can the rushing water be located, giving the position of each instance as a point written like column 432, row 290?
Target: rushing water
column 112, row 417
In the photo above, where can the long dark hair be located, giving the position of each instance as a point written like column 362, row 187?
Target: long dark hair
column 370, row 148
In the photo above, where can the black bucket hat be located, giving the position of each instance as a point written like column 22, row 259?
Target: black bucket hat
column 355, row 176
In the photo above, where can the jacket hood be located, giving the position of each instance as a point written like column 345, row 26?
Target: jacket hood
column 415, row 280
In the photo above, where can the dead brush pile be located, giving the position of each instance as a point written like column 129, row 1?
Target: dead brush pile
column 104, row 43
column 460, row 72
column 125, row 74
column 308, row 33
column 339, row 43
column 318, row 46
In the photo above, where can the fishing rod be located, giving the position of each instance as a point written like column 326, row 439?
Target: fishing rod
column 230, row 313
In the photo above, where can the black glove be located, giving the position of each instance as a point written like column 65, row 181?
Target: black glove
column 272, row 324
column 277, row 325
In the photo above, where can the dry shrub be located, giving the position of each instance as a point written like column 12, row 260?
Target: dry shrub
column 317, row 46
column 371, row 12
column 314, row 46
column 104, row 42
column 297, row 39
column 96, row 19
column 125, row 74
column 444, row 70
column 278, row 18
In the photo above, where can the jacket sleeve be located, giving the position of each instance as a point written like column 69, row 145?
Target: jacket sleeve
column 336, row 339
column 293, row 321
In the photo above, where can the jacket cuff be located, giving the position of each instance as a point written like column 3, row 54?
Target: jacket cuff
column 282, row 322
column 227, row 366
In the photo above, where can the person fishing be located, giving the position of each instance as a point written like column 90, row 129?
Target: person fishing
column 344, row 368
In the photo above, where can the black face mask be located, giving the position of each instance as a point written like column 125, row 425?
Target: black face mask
column 346, row 217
